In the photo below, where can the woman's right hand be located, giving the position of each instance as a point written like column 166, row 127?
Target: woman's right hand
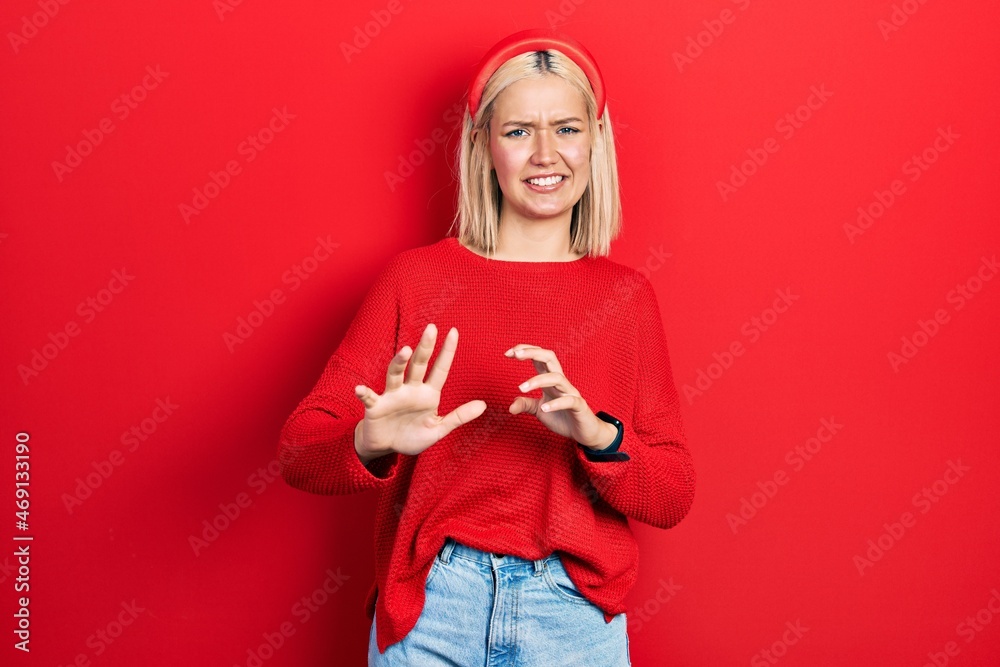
column 404, row 418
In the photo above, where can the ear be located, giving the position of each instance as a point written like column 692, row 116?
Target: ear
column 475, row 135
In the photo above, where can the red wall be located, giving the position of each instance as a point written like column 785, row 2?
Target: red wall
column 840, row 374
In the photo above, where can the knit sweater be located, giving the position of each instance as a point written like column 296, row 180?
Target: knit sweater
column 502, row 483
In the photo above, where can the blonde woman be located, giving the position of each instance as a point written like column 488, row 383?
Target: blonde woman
column 508, row 468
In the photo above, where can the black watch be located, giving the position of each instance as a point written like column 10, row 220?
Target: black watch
column 609, row 453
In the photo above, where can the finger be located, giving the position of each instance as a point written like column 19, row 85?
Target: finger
column 463, row 414
column 366, row 395
column 556, row 404
column 556, row 380
column 544, row 360
column 439, row 372
column 524, row 404
column 394, row 376
column 421, row 355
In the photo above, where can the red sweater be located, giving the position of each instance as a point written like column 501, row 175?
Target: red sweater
column 503, row 483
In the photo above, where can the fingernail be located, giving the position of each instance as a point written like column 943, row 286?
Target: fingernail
column 509, row 352
column 523, row 386
column 545, row 407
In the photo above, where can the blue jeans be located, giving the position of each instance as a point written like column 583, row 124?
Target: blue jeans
column 489, row 610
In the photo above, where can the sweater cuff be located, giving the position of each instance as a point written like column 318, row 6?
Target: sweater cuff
column 317, row 455
column 383, row 467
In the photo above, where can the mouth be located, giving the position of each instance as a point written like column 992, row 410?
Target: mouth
column 545, row 183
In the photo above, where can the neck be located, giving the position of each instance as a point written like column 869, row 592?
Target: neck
column 535, row 240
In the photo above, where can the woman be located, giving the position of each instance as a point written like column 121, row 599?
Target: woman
column 502, row 527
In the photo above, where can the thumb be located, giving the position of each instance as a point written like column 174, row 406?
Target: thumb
column 524, row 404
column 365, row 395
column 463, row 414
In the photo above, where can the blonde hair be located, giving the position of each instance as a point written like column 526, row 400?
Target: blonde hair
column 596, row 217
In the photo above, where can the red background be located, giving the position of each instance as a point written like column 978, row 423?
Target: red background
column 707, row 595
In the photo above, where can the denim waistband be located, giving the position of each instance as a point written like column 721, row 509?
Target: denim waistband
column 493, row 560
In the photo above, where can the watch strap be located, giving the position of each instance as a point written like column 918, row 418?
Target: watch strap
column 609, row 453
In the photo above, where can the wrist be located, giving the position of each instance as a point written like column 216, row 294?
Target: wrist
column 609, row 432
column 611, row 428
column 607, row 451
column 366, row 456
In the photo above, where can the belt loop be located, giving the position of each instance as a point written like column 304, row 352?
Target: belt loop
column 539, row 566
column 445, row 553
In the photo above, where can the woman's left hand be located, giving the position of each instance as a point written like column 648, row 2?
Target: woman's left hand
column 561, row 409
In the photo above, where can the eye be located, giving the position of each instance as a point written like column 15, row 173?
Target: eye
column 572, row 130
column 513, row 131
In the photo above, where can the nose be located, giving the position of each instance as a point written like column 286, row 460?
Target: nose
column 545, row 152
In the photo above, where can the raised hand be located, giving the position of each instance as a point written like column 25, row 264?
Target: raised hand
column 561, row 408
column 404, row 417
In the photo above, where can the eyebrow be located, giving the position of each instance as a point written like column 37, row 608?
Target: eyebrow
column 525, row 123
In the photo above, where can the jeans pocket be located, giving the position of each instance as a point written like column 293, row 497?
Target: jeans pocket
column 560, row 583
column 434, row 570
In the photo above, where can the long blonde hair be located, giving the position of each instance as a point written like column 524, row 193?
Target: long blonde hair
column 596, row 218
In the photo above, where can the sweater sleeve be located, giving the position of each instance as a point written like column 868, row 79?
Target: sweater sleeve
column 655, row 484
column 316, row 449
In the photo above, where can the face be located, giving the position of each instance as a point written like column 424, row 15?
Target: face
column 539, row 128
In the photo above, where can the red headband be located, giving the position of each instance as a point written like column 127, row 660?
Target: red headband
column 537, row 39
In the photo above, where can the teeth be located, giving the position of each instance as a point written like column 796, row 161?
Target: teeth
column 551, row 180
